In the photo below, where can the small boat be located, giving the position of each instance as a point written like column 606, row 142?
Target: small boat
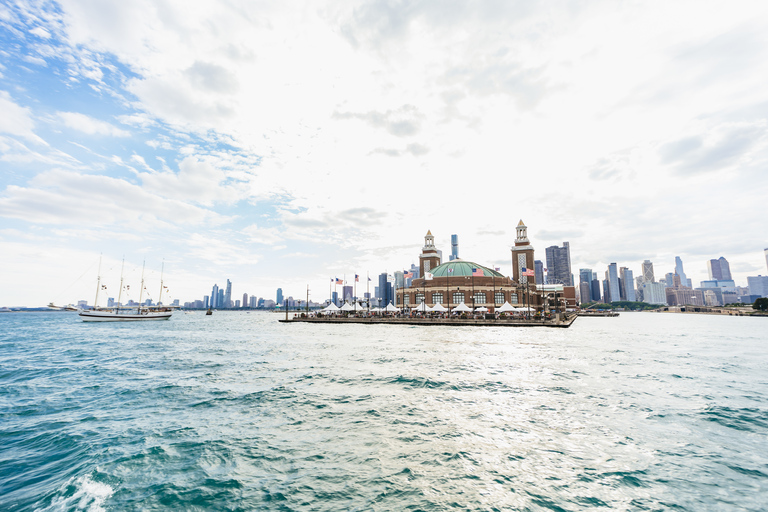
column 121, row 313
column 209, row 312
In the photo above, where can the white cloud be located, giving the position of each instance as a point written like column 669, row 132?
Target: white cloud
column 16, row 120
column 89, row 125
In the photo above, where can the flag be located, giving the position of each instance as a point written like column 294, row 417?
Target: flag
column 407, row 274
column 528, row 272
column 496, row 268
column 357, row 278
column 339, row 281
column 450, row 271
column 369, row 278
column 428, row 276
column 477, row 272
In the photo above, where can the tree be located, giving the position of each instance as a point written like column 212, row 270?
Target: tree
column 761, row 304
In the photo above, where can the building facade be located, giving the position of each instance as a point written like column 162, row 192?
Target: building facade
column 719, row 269
column 559, row 265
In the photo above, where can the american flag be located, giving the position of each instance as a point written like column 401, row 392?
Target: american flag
column 476, row 272
column 339, row 281
column 450, row 271
column 407, row 274
column 497, row 268
column 528, row 272
column 357, row 278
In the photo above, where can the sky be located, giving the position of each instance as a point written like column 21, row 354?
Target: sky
column 282, row 144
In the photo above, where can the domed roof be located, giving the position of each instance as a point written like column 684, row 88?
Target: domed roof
column 461, row 268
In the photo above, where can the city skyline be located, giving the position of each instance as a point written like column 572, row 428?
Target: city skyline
column 281, row 145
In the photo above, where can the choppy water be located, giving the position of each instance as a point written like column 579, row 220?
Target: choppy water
column 238, row 412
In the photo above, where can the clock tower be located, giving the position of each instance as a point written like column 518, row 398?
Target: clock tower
column 429, row 258
column 522, row 256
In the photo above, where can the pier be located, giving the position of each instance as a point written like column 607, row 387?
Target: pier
column 561, row 321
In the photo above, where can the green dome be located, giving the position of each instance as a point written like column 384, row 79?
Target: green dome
column 461, row 268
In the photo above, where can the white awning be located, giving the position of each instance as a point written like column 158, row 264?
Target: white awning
column 462, row 308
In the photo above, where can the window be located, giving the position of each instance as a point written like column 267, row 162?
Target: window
column 437, row 298
column 407, row 299
column 458, row 297
column 513, row 298
column 499, row 297
column 479, row 297
column 419, row 298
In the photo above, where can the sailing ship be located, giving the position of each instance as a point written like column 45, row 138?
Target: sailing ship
column 122, row 313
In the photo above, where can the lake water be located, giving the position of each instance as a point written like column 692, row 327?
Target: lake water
column 235, row 411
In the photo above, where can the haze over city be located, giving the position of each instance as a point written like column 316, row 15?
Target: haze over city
column 283, row 145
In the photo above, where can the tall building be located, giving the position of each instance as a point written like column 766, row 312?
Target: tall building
column 669, row 280
column 539, row 271
column 228, row 295
column 429, row 257
column 346, row 293
column 279, row 296
column 628, row 281
column 595, row 289
column 522, row 255
column 648, row 272
column 245, row 300
column 454, row 248
column 613, row 292
column 215, row 296
column 585, row 284
column 758, row 285
column 680, row 272
column 719, row 269
column 653, row 293
column 559, row 264
column 385, row 289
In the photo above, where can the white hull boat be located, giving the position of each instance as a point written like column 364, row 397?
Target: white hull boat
column 122, row 315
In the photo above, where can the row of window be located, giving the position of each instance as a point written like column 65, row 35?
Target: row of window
column 459, row 297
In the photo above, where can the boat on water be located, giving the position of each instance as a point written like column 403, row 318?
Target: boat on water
column 123, row 313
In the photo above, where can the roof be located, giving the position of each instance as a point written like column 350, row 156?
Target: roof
column 461, row 268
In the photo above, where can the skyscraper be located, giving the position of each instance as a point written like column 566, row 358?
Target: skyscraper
column 613, row 292
column 585, row 284
column 680, row 272
column 538, row 268
column 215, row 296
column 385, row 289
column 454, row 248
column 228, row 295
column 279, row 296
column 719, row 269
column 648, row 272
column 559, row 264
column 245, row 300
column 628, row 281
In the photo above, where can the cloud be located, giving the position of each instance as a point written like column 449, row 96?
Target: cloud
column 89, row 125
column 40, row 32
column 212, row 78
column 16, row 120
column 720, row 148
column 67, row 197
column 404, row 121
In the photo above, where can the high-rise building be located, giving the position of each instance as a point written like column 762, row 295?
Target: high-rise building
column 612, row 290
column 669, row 280
column 595, row 288
column 245, row 300
column 758, row 285
column 585, row 284
column 680, row 272
column 454, row 248
column 206, row 305
column 648, row 272
column 719, row 269
column 279, row 297
column 385, row 289
column 628, row 282
column 346, row 293
column 653, row 293
column 538, row 267
column 559, row 264
column 228, row 295
column 215, row 296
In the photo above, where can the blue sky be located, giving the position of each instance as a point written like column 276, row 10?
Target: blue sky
column 281, row 145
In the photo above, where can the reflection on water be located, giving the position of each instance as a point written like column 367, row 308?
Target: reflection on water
column 235, row 411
